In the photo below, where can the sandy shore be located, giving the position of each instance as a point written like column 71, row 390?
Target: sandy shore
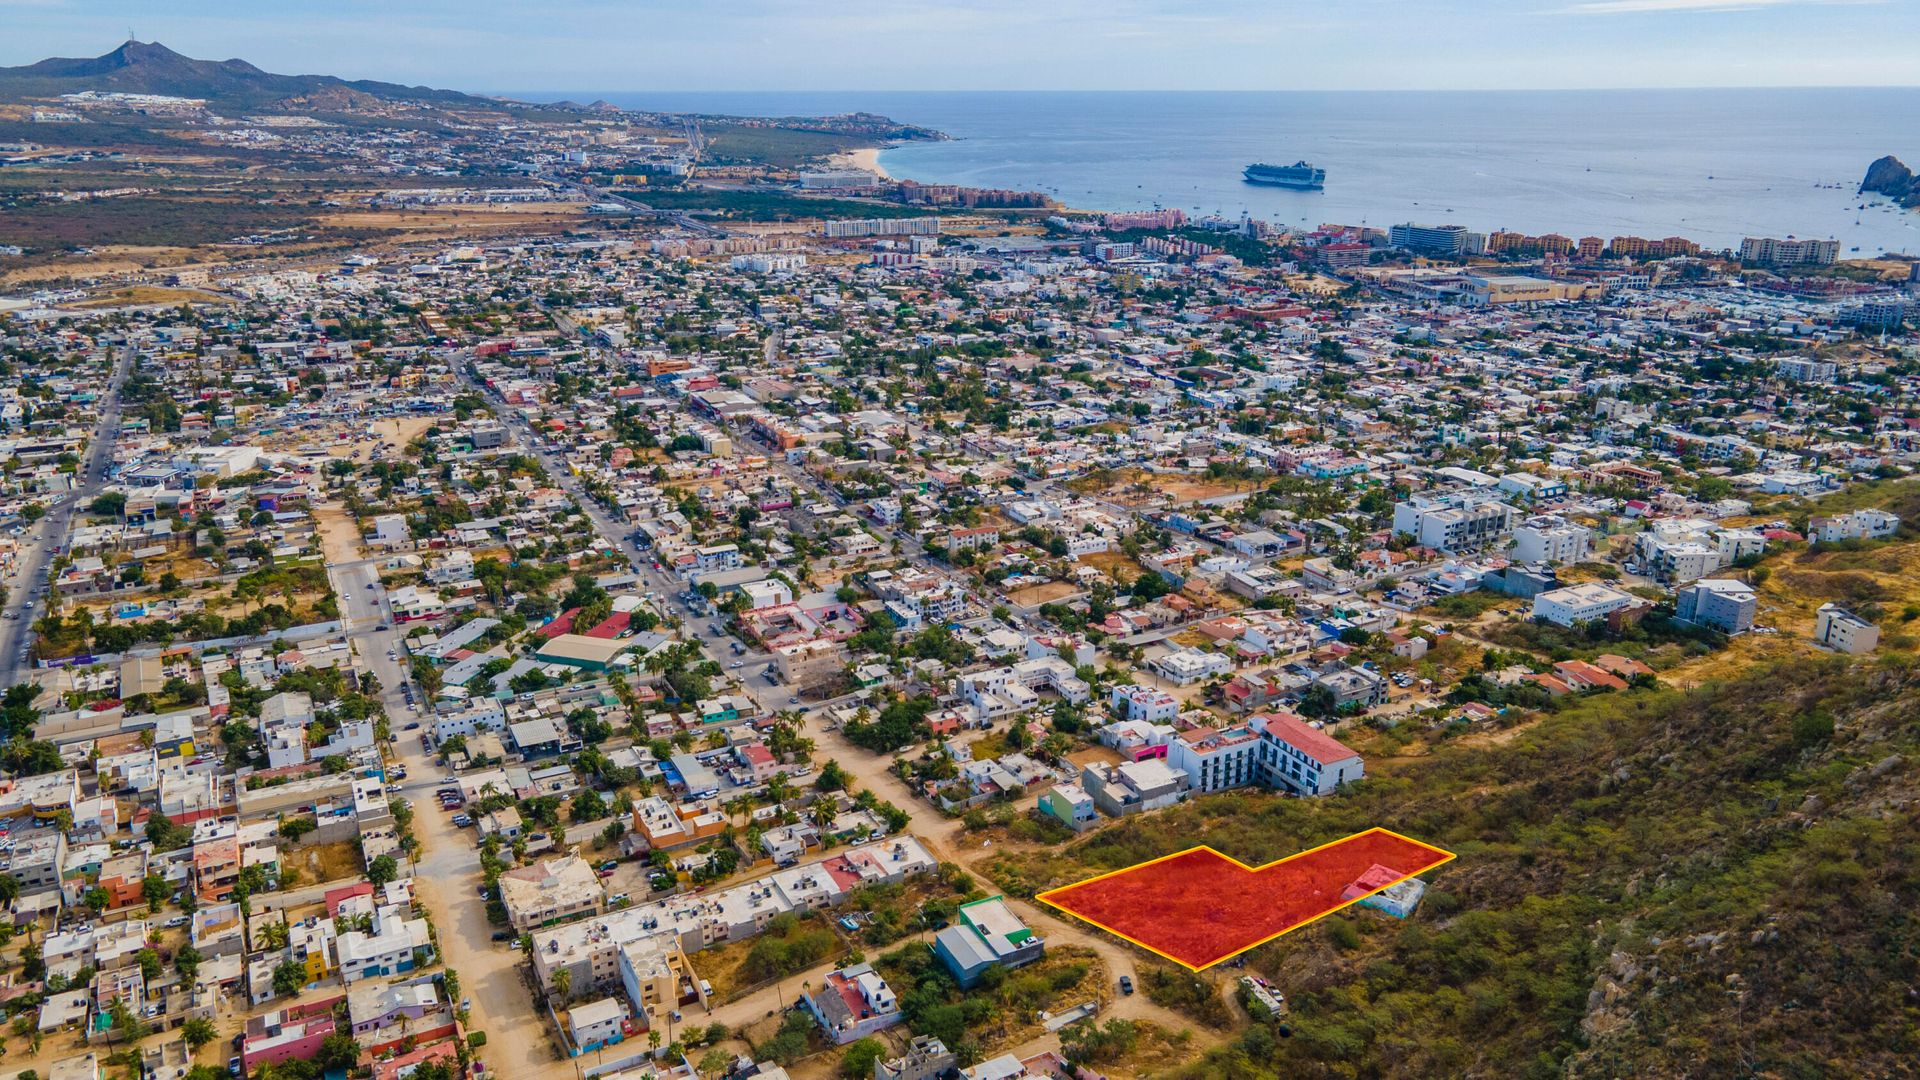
column 867, row 158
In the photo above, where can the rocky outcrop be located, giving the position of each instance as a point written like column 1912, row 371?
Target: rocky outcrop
column 1894, row 180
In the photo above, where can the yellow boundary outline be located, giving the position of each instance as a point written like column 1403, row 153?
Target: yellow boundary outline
column 1446, row 857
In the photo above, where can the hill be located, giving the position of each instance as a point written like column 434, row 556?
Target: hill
column 139, row 67
column 1889, row 177
column 1661, row 883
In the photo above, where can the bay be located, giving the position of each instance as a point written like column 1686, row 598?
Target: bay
column 1710, row 165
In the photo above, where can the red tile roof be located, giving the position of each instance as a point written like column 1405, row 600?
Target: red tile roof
column 1310, row 741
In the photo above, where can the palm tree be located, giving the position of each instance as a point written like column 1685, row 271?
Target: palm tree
column 778, row 789
column 563, row 984
column 825, row 813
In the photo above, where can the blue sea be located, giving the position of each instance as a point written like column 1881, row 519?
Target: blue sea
column 1711, row 165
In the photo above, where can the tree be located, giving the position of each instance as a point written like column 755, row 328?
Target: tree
column 198, row 1032
column 338, row 1051
column 588, row 806
column 165, row 835
column 124, row 1022
column 156, row 890
column 187, row 962
column 288, row 977
column 857, row 1062
column 382, row 870
column 832, row 777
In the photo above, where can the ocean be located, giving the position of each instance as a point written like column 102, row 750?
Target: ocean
column 1710, row 165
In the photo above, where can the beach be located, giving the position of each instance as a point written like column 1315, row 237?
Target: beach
column 1605, row 163
column 867, row 158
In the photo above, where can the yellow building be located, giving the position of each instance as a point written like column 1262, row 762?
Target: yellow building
column 312, row 947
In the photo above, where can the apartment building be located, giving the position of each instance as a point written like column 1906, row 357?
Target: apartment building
column 1144, row 703
column 1723, row 603
column 1858, row 525
column 397, row 944
column 1577, row 604
column 1455, row 522
column 551, row 891
column 1551, row 539
column 1215, row 760
column 1841, row 630
column 1301, row 758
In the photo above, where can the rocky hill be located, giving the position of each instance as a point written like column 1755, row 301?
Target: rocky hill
column 1661, row 883
column 1889, row 177
column 139, row 67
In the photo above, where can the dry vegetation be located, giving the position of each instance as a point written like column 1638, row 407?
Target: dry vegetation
column 1654, row 883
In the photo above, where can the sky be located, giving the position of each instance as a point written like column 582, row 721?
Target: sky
column 603, row 45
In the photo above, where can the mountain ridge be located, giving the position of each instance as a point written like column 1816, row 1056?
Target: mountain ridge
column 141, row 67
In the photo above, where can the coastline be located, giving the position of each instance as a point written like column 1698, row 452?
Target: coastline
column 867, row 157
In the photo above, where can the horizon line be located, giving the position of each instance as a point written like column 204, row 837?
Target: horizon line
column 1226, row 90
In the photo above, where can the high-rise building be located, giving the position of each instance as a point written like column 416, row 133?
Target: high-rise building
column 1430, row 239
column 1768, row 251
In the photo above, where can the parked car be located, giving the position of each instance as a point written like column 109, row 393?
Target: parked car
column 503, row 935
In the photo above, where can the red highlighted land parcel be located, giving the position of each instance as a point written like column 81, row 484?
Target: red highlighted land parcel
column 1199, row 907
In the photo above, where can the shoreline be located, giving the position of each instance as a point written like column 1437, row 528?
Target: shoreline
column 867, row 157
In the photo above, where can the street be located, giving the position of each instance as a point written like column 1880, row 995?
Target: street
column 447, row 873
column 26, row 585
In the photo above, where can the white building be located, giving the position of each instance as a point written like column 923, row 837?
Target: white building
column 1144, row 703
column 1459, row 521
column 1841, row 630
column 1189, row 666
column 1551, row 539
column 1858, row 525
column 1723, row 603
column 1215, row 760
column 397, row 945
column 597, row 1023
column 1299, row 757
column 1577, row 604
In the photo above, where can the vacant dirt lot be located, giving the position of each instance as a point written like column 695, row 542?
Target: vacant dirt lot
column 1034, row 595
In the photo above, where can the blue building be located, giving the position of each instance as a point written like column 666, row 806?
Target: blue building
column 987, row 934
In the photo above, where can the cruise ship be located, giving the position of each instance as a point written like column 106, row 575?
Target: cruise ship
column 1297, row 175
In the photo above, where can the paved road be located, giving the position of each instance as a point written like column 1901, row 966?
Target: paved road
column 50, row 532
column 709, row 630
column 448, row 868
